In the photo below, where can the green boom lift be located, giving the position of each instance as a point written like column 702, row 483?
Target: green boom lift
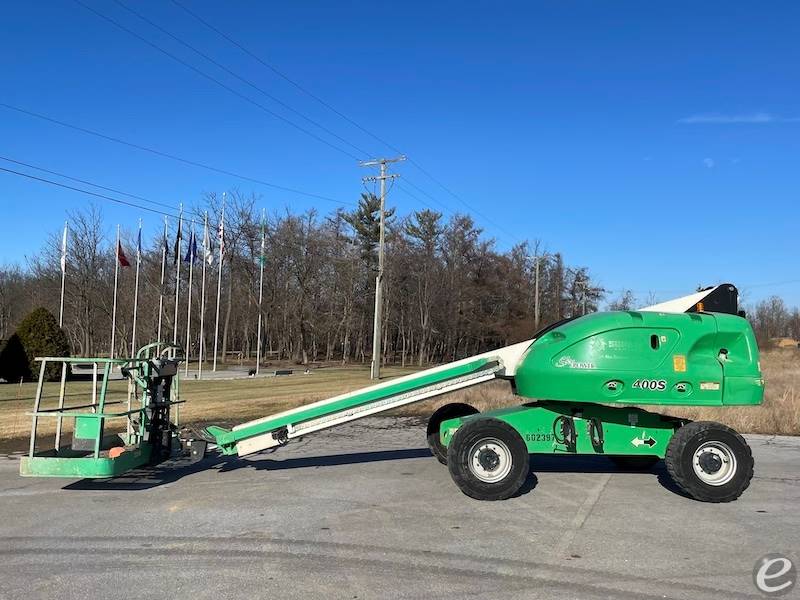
column 585, row 378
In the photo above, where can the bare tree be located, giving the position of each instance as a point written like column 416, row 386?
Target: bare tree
column 449, row 291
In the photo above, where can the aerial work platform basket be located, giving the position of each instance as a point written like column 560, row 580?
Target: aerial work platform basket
column 105, row 441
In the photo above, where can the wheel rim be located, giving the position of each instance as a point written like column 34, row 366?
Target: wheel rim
column 714, row 463
column 490, row 460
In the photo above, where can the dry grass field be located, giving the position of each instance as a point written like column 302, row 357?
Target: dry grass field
column 232, row 401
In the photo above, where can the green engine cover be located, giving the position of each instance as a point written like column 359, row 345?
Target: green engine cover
column 632, row 357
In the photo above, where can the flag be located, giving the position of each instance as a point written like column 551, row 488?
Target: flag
column 262, row 258
column 139, row 245
column 164, row 255
column 123, row 260
column 208, row 247
column 178, row 238
column 64, row 251
column 221, row 236
column 191, row 250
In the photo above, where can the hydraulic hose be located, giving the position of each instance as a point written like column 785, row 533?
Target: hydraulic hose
column 564, row 426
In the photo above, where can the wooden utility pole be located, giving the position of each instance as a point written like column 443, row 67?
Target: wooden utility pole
column 375, row 367
column 536, row 310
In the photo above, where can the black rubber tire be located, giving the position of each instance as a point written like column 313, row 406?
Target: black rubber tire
column 635, row 463
column 680, row 454
column 443, row 413
column 458, row 459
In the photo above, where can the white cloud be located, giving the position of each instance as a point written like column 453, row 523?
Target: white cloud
column 757, row 118
column 709, row 163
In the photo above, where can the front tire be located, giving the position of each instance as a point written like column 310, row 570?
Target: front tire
column 709, row 461
column 443, row 413
column 488, row 459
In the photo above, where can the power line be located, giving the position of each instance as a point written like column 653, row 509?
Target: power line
column 215, row 80
column 511, row 237
column 95, row 194
column 284, row 76
column 239, row 77
column 346, row 118
column 395, row 182
column 415, row 197
column 770, row 284
column 86, row 182
column 173, row 215
column 264, row 108
column 255, row 103
column 421, row 191
column 743, row 288
column 406, row 191
column 464, row 202
column 174, row 157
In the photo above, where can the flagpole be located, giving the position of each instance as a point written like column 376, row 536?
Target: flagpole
column 177, row 276
column 136, row 288
column 161, row 287
column 260, row 295
column 114, row 309
column 190, row 254
column 129, row 424
column 59, row 421
column 203, row 299
column 219, row 279
column 63, row 275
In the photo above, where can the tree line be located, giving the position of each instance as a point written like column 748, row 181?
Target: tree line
column 772, row 319
column 449, row 291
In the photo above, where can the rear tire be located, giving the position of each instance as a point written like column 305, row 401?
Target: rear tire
column 709, row 461
column 488, row 459
column 443, row 413
column 635, row 463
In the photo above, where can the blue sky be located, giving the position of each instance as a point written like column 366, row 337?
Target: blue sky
column 655, row 143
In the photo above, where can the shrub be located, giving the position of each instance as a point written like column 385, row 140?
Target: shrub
column 13, row 360
column 40, row 335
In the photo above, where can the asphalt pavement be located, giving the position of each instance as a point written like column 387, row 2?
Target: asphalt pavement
column 363, row 511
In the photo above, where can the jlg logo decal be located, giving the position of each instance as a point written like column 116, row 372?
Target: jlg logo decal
column 650, row 384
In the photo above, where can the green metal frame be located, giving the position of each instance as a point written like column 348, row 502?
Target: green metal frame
column 65, row 463
column 599, row 429
column 90, row 420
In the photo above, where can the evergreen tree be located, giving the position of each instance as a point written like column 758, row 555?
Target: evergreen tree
column 13, row 360
column 366, row 223
column 40, row 335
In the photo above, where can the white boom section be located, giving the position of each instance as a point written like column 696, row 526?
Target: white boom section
column 506, row 359
column 679, row 305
